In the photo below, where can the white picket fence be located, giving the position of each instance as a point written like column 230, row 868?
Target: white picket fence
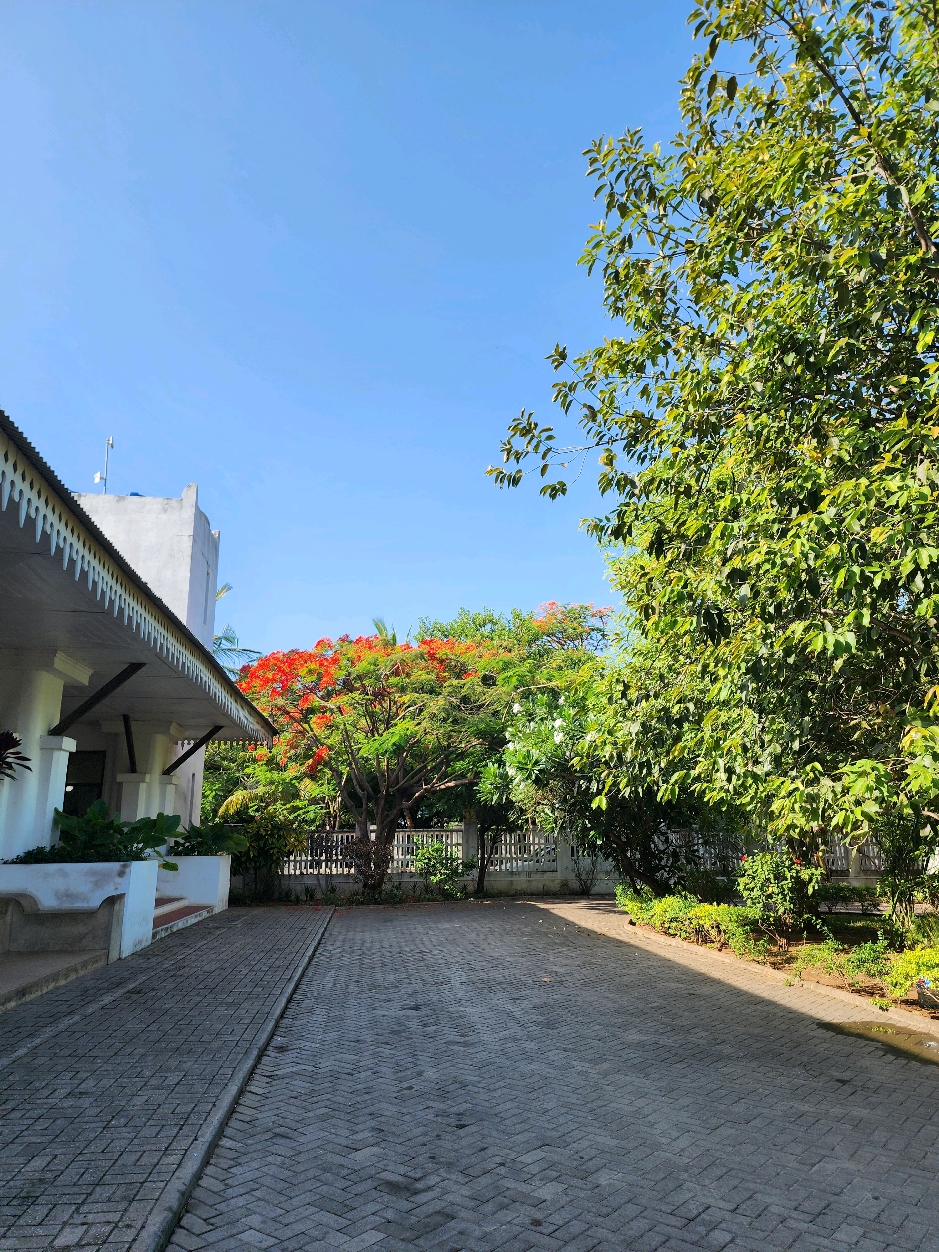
column 526, row 852
column 328, row 854
column 866, row 860
column 522, row 852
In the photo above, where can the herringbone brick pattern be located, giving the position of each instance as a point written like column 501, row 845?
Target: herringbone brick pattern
column 105, row 1082
column 474, row 1078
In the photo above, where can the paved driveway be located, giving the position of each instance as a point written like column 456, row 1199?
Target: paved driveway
column 490, row 1076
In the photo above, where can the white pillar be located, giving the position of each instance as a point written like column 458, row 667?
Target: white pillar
column 31, row 702
column 470, row 840
column 133, row 796
column 50, row 773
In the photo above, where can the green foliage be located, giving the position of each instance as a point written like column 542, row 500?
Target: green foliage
column 97, row 836
column 11, row 758
column 767, row 422
column 779, row 886
column 441, row 868
column 227, row 650
column 923, row 932
column 269, row 841
column 909, row 967
column 724, row 925
column 832, row 894
column 241, row 781
column 553, row 780
column 906, row 847
column 854, row 966
column 210, row 839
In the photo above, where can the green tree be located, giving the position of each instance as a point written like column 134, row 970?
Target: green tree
column 766, row 420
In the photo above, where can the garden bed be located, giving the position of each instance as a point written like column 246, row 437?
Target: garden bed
column 850, row 957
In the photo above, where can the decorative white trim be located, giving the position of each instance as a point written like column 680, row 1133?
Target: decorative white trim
column 25, row 486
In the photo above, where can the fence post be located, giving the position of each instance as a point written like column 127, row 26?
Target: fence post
column 565, row 861
column 469, row 846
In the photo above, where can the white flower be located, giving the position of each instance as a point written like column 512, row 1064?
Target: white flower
column 558, row 722
column 516, row 708
column 558, row 737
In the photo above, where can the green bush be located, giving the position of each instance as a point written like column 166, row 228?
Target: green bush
column 268, row 842
column 212, row 839
column 97, row 836
column 833, row 894
column 440, row 867
column 923, row 932
column 866, row 962
column 909, row 967
column 779, row 886
column 723, row 925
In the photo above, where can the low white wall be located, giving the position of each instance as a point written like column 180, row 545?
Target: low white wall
column 201, row 879
column 540, row 883
column 74, row 888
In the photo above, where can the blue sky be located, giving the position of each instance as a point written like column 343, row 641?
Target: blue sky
column 312, row 256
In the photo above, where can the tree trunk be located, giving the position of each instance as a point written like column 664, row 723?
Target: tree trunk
column 372, row 856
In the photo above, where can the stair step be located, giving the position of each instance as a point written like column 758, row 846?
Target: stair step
column 169, row 904
column 178, row 918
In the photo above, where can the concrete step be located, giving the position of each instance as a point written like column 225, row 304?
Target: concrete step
column 185, row 913
column 24, row 975
column 168, row 904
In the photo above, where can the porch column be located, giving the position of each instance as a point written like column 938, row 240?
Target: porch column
column 133, row 796
column 30, row 702
column 50, row 771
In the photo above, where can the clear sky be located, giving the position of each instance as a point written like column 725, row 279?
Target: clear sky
column 312, row 256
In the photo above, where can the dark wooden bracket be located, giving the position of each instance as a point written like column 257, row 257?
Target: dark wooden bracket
column 101, row 694
column 129, row 740
column 200, row 743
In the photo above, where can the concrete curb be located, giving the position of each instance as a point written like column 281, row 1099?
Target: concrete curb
column 643, row 936
column 159, row 1226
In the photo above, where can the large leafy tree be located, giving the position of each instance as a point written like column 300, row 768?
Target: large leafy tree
column 542, row 654
column 766, row 419
column 381, row 734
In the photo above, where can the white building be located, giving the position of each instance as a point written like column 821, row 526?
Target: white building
column 107, row 676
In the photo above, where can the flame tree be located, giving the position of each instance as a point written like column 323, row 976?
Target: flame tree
column 389, row 724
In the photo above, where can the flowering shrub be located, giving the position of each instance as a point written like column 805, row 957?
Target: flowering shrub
column 778, row 885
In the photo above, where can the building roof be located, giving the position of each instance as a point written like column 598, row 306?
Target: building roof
column 82, row 596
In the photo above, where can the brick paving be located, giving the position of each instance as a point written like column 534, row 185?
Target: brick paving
column 495, row 1076
column 105, row 1083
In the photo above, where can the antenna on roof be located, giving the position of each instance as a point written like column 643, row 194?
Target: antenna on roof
column 103, row 478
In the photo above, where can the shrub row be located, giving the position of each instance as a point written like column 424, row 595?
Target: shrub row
column 737, row 928
column 720, row 925
column 833, row 894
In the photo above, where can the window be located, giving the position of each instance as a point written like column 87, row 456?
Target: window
column 84, row 782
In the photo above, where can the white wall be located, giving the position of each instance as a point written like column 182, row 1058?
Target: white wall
column 171, row 545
